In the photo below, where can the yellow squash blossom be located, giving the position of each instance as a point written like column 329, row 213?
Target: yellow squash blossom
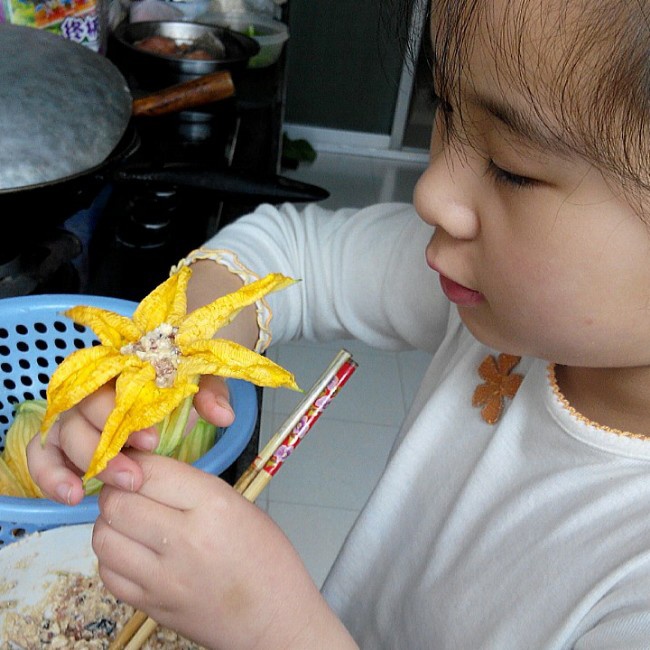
column 157, row 356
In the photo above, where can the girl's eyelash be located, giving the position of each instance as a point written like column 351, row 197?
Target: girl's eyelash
column 508, row 178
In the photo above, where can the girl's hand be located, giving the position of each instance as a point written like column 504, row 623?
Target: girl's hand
column 58, row 465
column 200, row 559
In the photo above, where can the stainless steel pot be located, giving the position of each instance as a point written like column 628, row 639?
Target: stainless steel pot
column 229, row 50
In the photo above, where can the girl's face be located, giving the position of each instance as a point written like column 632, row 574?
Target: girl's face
column 540, row 251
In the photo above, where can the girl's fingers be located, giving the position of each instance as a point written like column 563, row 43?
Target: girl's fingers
column 195, row 485
column 128, row 560
column 145, row 439
column 49, row 469
column 120, row 586
column 140, row 519
column 212, row 401
column 75, row 437
column 98, row 406
column 158, row 515
column 57, row 466
column 78, row 439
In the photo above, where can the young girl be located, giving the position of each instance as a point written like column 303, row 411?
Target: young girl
column 514, row 511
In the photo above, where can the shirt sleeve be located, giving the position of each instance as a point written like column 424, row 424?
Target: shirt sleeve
column 362, row 273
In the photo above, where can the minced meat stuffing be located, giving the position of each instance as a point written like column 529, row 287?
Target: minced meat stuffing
column 78, row 612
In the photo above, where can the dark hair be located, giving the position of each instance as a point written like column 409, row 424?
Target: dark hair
column 600, row 91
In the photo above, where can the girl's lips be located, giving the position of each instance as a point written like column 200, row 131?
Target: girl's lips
column 459, row 294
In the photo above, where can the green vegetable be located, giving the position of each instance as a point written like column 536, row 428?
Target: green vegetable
column 25, row 426
column 199, row 441
column 15, row 479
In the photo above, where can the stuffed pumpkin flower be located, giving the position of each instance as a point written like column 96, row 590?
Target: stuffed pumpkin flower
column 158, row 356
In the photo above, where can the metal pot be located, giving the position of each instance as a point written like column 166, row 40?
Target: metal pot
column 63, row 107
column 229, row 50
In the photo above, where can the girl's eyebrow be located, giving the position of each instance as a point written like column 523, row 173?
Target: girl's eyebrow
column 524, row 126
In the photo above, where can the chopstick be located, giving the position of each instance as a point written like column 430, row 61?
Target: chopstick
column 311, row 407
column 263, row 468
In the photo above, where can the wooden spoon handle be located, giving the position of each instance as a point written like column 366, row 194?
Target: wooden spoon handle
column 196, row 92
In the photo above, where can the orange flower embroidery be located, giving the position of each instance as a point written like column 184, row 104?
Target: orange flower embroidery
column 498, row 385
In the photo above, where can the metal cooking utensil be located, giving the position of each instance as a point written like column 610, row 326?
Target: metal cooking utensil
column 230, row 50
column 63, row 107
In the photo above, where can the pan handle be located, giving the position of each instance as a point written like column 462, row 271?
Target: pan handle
column 226, row 184
column 195, row 92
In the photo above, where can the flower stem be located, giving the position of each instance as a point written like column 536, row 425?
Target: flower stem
column 172, row 428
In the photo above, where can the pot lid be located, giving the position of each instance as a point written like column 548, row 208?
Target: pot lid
column 63, row 107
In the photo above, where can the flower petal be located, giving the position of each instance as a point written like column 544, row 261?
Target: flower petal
column 79, row 375
column 491, row 412
column 510, row 384
column 139, row 403
column 111, row 329
column 229, row 359
column 206, row 321
column 167, row 303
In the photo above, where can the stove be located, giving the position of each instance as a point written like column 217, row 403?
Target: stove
column 142, row 218
column 147, row 226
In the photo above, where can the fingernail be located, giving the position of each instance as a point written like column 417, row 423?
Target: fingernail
column 148, row 440
column 64, row 491
column 124, row 480
column 224, row 404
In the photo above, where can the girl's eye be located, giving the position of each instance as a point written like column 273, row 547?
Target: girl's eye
column 508, row 178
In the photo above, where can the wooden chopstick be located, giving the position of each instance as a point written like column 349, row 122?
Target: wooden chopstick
column 146, row 629
column 263, row 468
column 299, row 423
column 292, row 420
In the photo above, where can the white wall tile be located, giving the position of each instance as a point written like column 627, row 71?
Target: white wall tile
column 316, row 533
column 337, row 464
column 372, row 395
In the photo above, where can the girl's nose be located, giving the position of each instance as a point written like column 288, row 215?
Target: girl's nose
column 445, row 194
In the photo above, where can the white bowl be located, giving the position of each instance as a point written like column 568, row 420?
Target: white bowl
column 29, row 567
column 269, row 33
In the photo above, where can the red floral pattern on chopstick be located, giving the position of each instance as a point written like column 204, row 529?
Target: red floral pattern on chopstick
column 308, row 420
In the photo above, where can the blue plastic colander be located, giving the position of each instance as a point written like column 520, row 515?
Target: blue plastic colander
column 35, row 337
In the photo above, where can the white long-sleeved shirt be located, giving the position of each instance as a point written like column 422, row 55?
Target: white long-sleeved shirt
column 529, row 533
